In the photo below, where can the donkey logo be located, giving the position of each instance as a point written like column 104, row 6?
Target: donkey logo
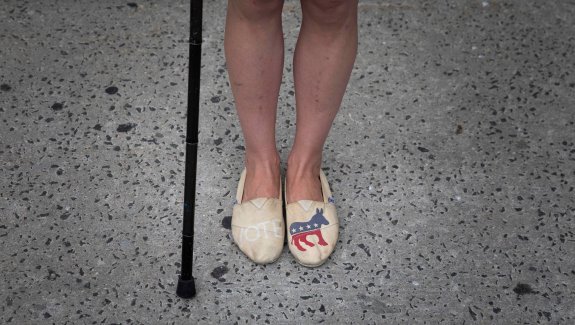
column 300, row 230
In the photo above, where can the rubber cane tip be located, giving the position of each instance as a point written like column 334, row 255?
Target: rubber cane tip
column 186, row 288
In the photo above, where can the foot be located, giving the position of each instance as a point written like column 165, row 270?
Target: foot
column 302, row 180
column 262, row 178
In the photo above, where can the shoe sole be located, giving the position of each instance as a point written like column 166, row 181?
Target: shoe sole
column 310, row 265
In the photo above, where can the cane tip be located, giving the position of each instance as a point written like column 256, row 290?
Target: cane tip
column 186, row 288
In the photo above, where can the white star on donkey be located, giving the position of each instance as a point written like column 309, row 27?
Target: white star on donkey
column 315, row 225
column 308, row 226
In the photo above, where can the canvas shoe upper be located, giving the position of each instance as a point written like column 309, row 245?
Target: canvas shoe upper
column 258, row 226
column 312, row 227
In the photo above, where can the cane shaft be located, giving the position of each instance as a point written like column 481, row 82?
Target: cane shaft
column 195, row 47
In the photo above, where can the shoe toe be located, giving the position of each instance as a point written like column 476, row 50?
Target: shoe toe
column 262, row 248
column 317, row 254
column 259, row 229
column 312, row 235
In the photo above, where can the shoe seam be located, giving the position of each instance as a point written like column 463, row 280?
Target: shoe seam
column 263, row 197
column 320, row 202
column 244, row 227
column 329, row 226
column 311, row 265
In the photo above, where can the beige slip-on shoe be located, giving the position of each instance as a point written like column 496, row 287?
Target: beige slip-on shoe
column 258, row 226
column 312, row 227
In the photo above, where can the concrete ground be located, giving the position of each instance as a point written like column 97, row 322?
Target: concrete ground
column 452, row 161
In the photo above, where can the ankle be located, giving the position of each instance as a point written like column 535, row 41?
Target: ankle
column 268, row 161
column 299, row 164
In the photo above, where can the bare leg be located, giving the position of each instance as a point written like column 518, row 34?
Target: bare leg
column 254, row 48
column 323, row 60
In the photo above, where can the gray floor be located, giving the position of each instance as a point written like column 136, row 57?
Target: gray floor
column 452, row 161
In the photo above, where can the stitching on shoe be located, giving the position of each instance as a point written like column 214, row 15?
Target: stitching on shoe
column 264, row 197
column 328, row 226
column 273, row 232
column 296, row 202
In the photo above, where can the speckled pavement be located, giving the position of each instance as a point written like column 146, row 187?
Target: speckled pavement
column 452, row 162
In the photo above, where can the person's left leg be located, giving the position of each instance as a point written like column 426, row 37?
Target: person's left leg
column 323, row 60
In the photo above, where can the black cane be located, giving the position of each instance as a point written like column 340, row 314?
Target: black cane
column 186, row 286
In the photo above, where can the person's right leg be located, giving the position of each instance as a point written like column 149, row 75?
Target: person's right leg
column 254, row 46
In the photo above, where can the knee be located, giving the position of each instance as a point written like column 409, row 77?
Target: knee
column 329, row 12
column 257, row 9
